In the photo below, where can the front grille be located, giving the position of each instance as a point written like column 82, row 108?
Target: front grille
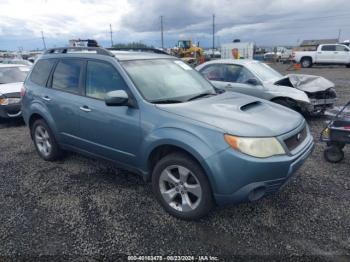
column 329, row 93
column 295, row 140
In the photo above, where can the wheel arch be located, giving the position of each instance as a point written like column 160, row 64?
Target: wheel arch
column 163, row 150
column 307, row 57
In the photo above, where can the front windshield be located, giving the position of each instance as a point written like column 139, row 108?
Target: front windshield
column 264, row 72
column 166, row 79
column 12, row 74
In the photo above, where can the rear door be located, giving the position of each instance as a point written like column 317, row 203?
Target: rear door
column 109, row 131
column 326, row 54
column 63, row 97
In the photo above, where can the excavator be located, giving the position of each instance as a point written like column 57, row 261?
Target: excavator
column 188, row 52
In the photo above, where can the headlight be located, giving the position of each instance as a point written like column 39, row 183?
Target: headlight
column 257, row 147
column 8, row 101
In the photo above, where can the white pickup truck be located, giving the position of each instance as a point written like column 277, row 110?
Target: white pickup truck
column 336, row 54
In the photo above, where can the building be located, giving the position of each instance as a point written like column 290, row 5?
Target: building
column 313, row 44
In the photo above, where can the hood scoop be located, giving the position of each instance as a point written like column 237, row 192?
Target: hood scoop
column 250, row 106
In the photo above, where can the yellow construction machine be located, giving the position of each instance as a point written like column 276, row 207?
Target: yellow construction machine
column 188, row 52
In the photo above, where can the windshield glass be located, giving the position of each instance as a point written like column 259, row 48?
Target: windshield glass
column 12, row 74
column 264, row 72
column 166, row 79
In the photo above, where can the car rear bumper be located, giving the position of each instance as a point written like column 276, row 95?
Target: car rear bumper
column 248, row 179
column 10, row 111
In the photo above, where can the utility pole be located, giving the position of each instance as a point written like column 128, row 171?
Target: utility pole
column 161, row 31
column 339, row 34
column 43, row 38
column 213, row 33
column 111, row 32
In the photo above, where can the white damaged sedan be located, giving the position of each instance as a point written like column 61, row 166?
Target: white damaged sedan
column 303, row 93
column 12, row 77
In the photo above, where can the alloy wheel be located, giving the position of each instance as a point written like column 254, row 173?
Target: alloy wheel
column 180, row 188
column 42, row 140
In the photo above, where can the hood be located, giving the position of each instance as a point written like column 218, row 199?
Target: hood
column 239, row 114
column 10, row 88
column 307, row 83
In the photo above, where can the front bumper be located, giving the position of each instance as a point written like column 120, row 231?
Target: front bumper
column 10, row 111
column 239, row 178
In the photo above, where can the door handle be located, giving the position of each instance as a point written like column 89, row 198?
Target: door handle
column 335, row 52
column 46, row 98
column 85, row 108
column 229, row 85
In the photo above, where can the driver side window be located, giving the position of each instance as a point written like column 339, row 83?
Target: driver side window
column 213, row 72
column 102, row 78
column 237, row 74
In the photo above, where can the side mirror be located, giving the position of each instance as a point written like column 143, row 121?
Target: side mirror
column 252, row 82
column 117, row 98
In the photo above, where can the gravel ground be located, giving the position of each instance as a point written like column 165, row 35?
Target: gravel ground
column 84, row 209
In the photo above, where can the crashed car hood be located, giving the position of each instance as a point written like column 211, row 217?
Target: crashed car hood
column 307, row 83
column 10, row 88
column 239, row 114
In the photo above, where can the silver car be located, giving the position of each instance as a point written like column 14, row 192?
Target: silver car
column 303, row 93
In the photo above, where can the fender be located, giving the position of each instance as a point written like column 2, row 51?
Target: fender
column 292, row 93
column 181, row 138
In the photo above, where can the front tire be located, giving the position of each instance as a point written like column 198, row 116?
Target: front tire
column 44, row 141
column 181, row 187
column 333, row 154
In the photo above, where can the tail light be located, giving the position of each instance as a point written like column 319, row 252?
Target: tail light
column 23, row 91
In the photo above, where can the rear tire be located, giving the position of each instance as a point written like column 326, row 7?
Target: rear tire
column 44, row 141
column 333, row 154
column 306, row 62
column 181, row 187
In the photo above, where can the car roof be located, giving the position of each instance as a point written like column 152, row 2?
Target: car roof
column 130, row 55
column 119, row 55
column 233, row 61
column 11, row 65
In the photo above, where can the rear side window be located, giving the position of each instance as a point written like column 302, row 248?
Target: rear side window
column 102, row 78
column 328, row 48
column 66, row 76
column 41, row 71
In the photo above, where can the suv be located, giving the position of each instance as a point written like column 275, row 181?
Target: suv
column 155, row 115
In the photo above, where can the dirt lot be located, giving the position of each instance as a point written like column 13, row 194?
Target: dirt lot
column 88, row 209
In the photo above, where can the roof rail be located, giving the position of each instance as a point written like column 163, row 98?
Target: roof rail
column 65, row 50
column 139, row 49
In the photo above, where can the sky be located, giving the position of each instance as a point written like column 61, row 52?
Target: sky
column 265, row 22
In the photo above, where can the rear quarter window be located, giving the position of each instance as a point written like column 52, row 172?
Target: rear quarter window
column 41, row 71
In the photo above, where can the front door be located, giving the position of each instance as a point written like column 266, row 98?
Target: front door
column 239, row 79
column 112, row 132
column 341, row 54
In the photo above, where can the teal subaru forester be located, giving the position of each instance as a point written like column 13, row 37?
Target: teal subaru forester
column 155, row 115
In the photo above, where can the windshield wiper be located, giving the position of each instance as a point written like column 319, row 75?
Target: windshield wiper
column 201, row 95
column 166, row 101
